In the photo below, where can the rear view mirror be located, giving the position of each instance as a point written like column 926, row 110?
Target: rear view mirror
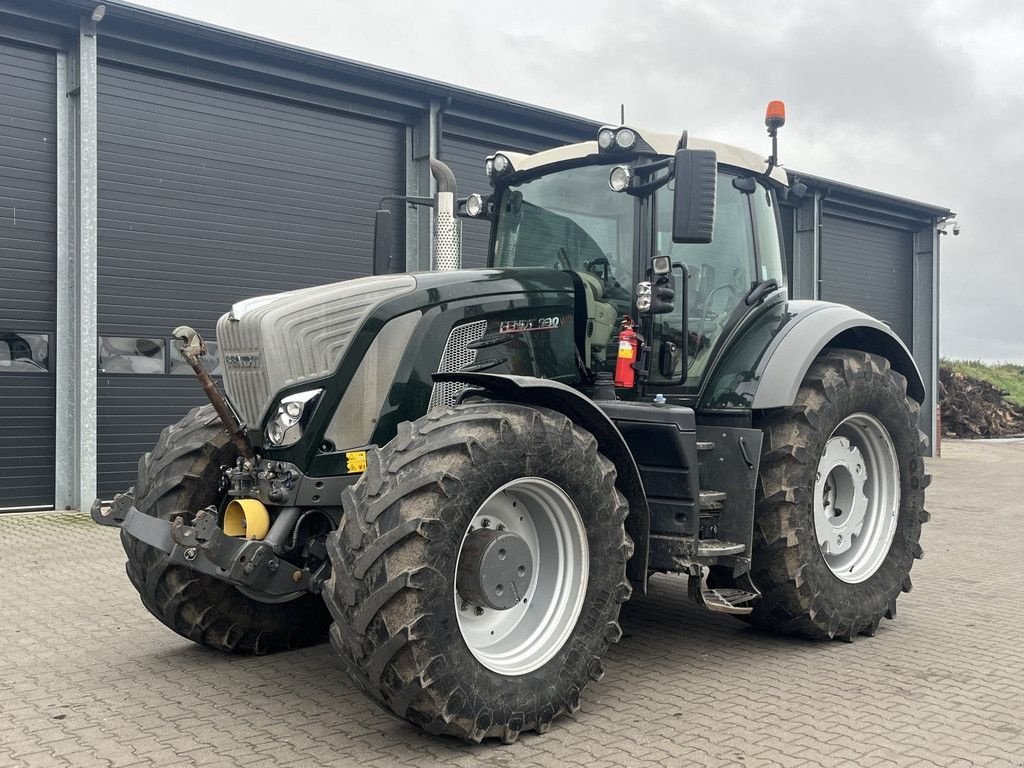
column 383, row 264
column 696, row 184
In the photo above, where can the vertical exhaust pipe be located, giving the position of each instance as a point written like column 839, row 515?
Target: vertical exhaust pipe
column 447, row 250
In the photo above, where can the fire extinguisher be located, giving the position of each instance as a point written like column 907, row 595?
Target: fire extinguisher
column 629, row 347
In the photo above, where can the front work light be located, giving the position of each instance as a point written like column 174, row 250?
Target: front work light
column 612, row 138
column 620, row 178
column 475, row 205
column 293, row 412
column 501, row 164
column 625, row 138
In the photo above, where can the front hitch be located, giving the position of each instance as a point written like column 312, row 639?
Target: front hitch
column 204, row 547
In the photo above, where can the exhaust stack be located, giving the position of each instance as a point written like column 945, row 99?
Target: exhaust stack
column 447, row 251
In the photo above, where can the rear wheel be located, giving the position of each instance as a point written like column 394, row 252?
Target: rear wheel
column 840, row 501
column 183, row 473
column 479, row 570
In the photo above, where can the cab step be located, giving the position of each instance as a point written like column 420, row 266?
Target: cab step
column 717, row 548
column 672, row 552
column 710, row 500
column 720, row 599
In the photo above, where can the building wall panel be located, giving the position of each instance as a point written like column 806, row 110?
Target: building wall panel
column 28, row 269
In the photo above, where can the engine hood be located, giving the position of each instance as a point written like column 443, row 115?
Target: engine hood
column 269, row 343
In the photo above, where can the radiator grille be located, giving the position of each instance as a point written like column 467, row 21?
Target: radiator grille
column 283, row 340
column 456, row 356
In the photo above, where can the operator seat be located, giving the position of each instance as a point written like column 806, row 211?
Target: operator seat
column 601, row 317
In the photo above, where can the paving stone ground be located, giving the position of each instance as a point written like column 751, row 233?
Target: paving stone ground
column 88, row 678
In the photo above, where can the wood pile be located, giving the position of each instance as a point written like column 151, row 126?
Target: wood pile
column 974, row 408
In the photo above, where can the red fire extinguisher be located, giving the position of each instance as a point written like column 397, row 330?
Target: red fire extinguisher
column 629, row 347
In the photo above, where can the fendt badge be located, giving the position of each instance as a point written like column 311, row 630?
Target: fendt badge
column 242, row 361
column 533, row 324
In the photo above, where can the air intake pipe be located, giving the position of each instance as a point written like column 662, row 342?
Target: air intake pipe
column 447, row 250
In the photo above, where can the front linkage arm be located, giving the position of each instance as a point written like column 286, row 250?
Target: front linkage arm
column 204, row 547
column 192, row 349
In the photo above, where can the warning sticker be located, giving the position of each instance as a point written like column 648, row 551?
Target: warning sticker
column 356, row 461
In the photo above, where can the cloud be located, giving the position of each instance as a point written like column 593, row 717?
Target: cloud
column 920, row 99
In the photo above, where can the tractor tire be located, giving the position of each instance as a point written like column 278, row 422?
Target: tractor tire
column 183, row 473
column 848, row 449
column 404, row 629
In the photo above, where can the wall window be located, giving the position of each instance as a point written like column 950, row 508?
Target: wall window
column 22, row 352
column 180, row 368
column 123, row 354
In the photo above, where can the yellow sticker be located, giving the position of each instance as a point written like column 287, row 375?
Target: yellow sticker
column 356, row 461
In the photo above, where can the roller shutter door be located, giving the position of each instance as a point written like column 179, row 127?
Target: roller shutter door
column 464, row 150
column 870, row 267
column 28, row 267
column 208, row 196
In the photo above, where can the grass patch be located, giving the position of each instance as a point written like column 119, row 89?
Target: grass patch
column 1009, row 377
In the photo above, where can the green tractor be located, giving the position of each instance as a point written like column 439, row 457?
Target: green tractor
column 461, row 475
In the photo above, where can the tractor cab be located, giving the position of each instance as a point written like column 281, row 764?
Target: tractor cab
column 609, row 210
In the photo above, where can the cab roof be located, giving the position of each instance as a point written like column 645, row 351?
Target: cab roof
column 661, row 143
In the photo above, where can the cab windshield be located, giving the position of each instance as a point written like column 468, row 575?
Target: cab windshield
column 572, row 220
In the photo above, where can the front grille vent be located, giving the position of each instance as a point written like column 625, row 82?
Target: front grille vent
column 456, row 356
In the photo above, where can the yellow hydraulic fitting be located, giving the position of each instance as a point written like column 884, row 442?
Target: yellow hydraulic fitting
column 246, row 517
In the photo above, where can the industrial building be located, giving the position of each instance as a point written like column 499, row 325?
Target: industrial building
column 154, row 170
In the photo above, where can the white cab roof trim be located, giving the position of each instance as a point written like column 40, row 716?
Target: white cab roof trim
column 662, row 143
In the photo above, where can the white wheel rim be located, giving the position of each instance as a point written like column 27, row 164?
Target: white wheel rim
column 857, row 498
column 526, row 636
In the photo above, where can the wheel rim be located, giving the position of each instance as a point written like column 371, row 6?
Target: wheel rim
column 526, row 636
column 857, row 498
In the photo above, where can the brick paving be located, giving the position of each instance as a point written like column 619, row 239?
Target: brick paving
column 88, row 678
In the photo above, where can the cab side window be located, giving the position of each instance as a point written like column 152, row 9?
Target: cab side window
column 766, row 229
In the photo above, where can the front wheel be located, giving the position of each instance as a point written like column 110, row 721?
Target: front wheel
column 479, row 570
column 840, row 501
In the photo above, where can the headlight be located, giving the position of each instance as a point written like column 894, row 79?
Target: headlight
column 293, row 412
column 619, row 178
column 643, row 296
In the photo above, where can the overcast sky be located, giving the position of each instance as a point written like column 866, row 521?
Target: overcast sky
column 919, row 99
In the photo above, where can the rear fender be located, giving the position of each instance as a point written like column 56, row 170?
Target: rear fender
column 581, row 411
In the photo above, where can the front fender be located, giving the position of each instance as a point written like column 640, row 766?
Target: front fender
column 767, row 365
column 556, row 396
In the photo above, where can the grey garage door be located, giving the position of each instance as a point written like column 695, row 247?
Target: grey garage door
column 208, row 196
column 28, row 264
column 870, row 267
column 464, row 147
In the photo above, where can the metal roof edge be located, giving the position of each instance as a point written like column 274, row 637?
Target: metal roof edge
column 854, row 191
column 206, row 34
